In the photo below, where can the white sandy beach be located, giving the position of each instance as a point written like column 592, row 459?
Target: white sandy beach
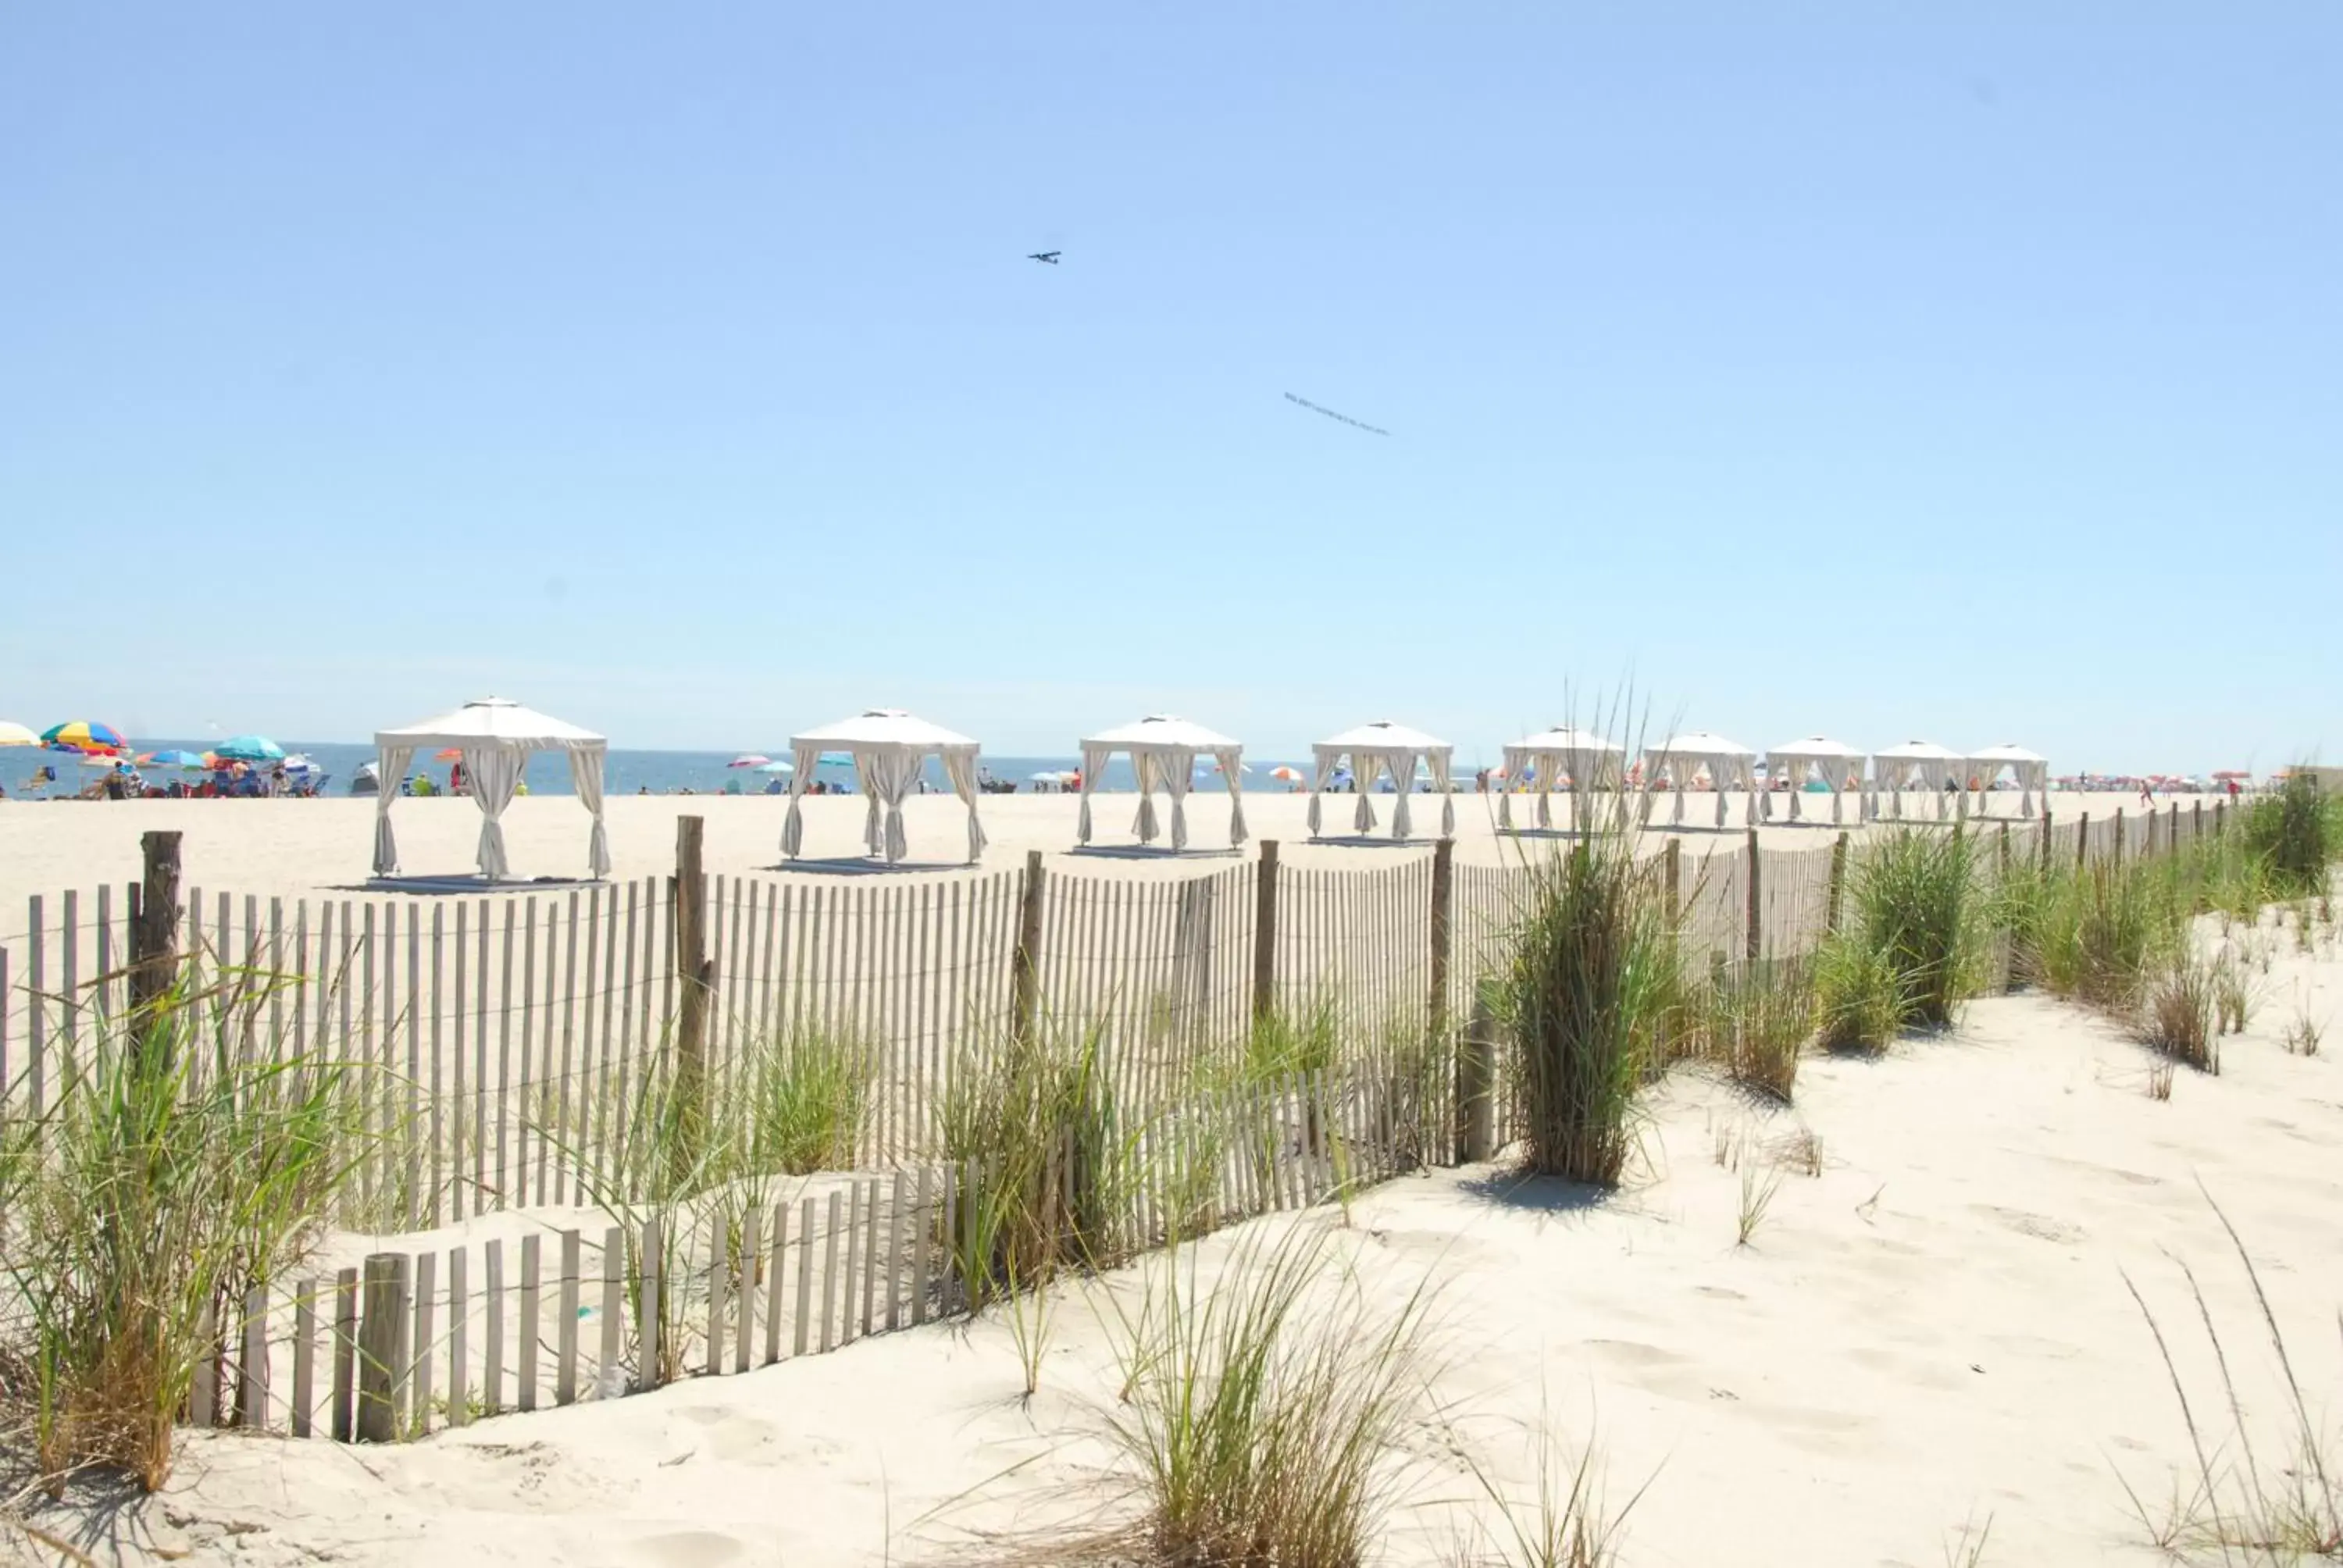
column 293, row 847
column 1935, row 1331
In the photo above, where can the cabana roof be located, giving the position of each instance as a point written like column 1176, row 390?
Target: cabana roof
column 1383, row 735
column 1918, row 751
column 2007, row 752
column 492, row 720
column 1817, row 746
column 882, row 726
column 1699, row 743
column 1160, row 730
column 1563, row 738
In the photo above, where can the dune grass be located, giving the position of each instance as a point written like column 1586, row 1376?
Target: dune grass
column 1755, row 1020
column 1565, row 1523
column 1858, row 996
column 2295, row 833
column 1588, row 989
column 2240, row 1504
column 1916, row 899
column 176, row 1169
column 1260, row 1413
column 2178, row 1011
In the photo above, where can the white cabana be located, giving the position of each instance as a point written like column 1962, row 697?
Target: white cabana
column 1590, row 761
column 495, row 737
column 1815, row 756
column 2031, row 769
column 1916, row 762
column 1374, row 750
column 1163, row 752
column 889, row 748
column 1730, row 766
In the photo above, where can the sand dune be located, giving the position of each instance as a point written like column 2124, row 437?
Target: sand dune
column 1936, row 1328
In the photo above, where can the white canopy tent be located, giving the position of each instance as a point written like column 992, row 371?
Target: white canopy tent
column 1730, row 766
column 1381, row 748
column 1815, row 756
column 1163, row 752
column 1591, row 762
column 1922, row 762
column 2031, row 769
column 495, row 737
column 890, row 747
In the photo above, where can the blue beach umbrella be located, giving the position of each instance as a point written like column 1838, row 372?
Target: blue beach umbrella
column 249, row 749
column 172, row 759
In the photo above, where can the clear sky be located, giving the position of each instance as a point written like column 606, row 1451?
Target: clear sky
column 1883, row 369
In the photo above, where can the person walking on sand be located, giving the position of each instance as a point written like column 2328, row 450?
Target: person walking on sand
column 2147, row 793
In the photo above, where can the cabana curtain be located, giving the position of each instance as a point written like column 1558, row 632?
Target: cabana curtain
column 495, row 737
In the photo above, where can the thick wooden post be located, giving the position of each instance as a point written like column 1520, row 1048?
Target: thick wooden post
column 1025, row 967
column 1444, row 882
column 382, row 1348
column 2196, row 821
column 2172, row 830
column 1476, row 1119
column 1837, row 879
column 1673, row 856
column 154, row 928
column 1264, row 931
column 2082, row 840
column 2045, row 856
column 695, row 973
column 1755, row 914
column 2119, row 835
column 2217, row 807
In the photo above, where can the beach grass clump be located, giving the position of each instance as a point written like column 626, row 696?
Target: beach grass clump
column 2179, row 1011
column 804, row 1094
column 1858, row 995
column 2241, row 1503
column 1033, row 1116
column 1756, row 1020
column 1917, row 899
column 1286, row 1043
column 1588, row 991
column 1566, row 1523
column 1261, row 1412
column 174, row 1170
column 2295, row 833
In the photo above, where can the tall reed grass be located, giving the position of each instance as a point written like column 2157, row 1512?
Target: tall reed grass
column 1588, row 991
column 181, row 1165
column 2296, row 834
column 1917, row 901
column 1261, row 1412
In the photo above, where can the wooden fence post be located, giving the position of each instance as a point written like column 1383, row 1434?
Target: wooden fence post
column 1674, row 855
column 2082, row 840
column 1756, row 916
column 1476, row 1119
column 155, row 929
column 2045, row 856
column 1025, row 967
column 1264, row 931
column 696, row 971
column 1444, row 887
column 1837, row 879
column 2218, row 807
column 2196, row 821
column 2120, row 836
column 382, row 1351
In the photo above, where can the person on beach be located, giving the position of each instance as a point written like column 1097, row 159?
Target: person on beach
column 2147, row 793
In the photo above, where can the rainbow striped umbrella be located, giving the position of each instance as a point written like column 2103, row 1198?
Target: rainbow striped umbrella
column 81, row 735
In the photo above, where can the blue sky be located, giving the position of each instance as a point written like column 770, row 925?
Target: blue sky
column 1878, row 369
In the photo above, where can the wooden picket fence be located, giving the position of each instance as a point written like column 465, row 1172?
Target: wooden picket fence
column 406, row 1343
column 506, row 1041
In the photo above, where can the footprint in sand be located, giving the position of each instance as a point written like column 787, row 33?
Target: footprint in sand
column 2036, row 1225
column 688, row 1549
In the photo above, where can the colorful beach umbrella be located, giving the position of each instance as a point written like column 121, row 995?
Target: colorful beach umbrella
column 1286, row 775
column 82, row 734
column 250, row 749
column 749, row 760
column 16, row 735
column 171, row 760
column 784, row 766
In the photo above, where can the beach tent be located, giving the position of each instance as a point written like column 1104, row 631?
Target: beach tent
column 1381, row 748
column 1163, row 752
column 495, row 737
column 1730, row 767
column 2031, row 769
column 1591, row 762
column 1916, row 762
column 1815, row 756
column 889, row 747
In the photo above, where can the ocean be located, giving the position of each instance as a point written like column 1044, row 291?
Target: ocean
column 628, row 772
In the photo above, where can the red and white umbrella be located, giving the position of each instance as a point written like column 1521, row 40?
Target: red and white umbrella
column 750, row 759
column 1286, row 775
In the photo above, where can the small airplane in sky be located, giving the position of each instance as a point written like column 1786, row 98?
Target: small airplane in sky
column 1049, row 256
